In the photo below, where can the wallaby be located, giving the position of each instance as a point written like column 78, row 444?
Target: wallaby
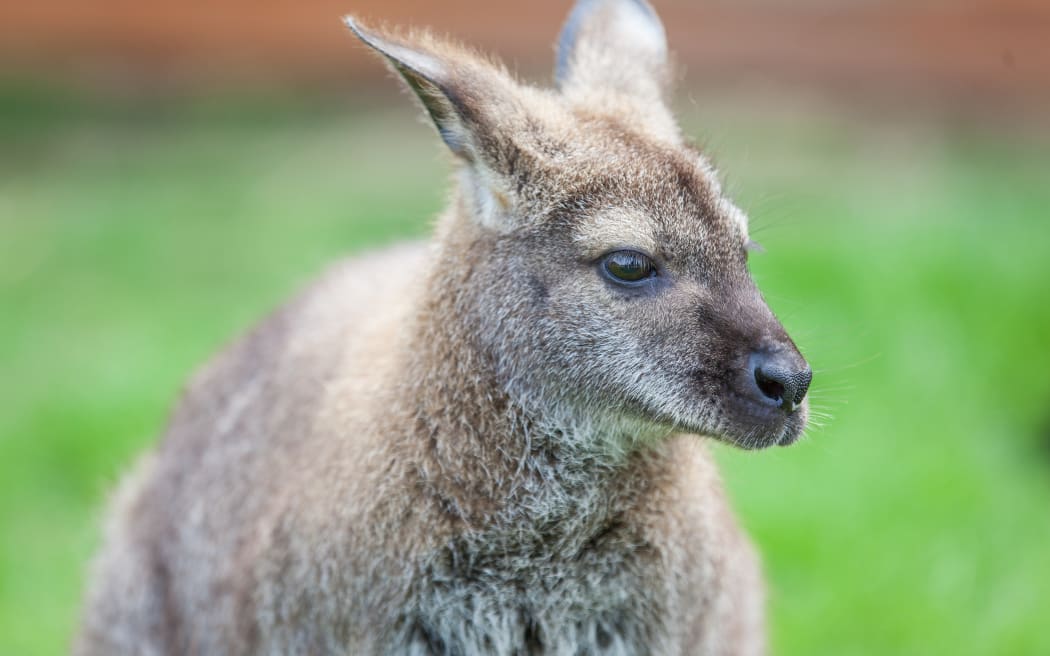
column 488, row 444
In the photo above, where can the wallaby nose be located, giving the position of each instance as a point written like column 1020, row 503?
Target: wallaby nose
column 782, row 378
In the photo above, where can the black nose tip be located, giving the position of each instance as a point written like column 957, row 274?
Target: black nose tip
column 781, row 379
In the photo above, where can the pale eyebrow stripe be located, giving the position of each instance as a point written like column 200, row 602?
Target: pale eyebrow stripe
column 614, row 229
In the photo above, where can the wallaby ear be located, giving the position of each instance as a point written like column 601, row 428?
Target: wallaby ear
column 432, row 79
column 613, row 45
column 481, row 112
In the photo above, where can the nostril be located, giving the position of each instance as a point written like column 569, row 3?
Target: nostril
column 781, row 378
column 771, row 387
column 803, row 379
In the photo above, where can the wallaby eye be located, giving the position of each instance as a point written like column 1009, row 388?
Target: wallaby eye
column 628, row 266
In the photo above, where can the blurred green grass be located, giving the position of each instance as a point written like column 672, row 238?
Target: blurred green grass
column 911, row 263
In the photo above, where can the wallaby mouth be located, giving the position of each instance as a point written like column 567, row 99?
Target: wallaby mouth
column 752, row 427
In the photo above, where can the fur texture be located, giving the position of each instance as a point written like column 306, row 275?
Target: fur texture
column 484, row 445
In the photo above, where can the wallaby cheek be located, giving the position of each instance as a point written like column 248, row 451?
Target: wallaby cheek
column 683, row 338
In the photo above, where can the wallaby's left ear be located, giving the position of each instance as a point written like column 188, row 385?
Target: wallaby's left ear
column 613, row 46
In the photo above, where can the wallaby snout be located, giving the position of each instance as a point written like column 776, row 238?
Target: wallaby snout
column 771, row 391
column 768, row 378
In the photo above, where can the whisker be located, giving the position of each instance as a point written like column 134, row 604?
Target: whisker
column 867, row 360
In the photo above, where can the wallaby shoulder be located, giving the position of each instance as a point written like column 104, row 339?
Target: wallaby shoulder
column 257, row 432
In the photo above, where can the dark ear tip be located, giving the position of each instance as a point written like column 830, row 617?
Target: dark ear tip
column 371, row 37
column 359, row 30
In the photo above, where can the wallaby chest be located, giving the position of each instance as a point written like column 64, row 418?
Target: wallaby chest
column 536, row 589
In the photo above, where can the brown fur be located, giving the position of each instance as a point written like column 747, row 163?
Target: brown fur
column 476, row 446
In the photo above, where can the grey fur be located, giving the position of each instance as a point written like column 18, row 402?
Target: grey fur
column 481, row 445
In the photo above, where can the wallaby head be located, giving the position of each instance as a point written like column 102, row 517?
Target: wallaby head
column 590, row 252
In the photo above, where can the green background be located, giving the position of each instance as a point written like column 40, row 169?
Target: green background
column 910, row 261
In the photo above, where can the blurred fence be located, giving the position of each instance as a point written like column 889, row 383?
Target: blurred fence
column 988, row 52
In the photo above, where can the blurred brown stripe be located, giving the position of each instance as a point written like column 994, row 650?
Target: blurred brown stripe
column 989, row 47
